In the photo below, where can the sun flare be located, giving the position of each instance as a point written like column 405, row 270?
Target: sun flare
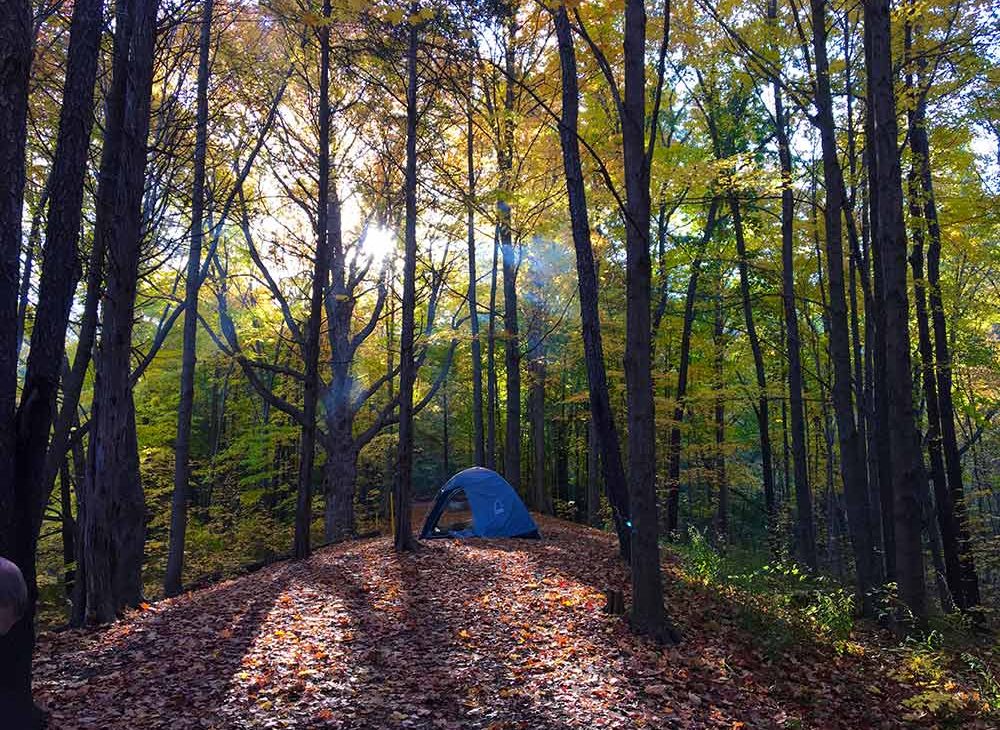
column 379, row 242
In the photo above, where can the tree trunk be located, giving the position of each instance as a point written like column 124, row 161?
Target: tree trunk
column 674, row 458
column 340, row 445
column 762, row 411
column 34, row 234
column 491, row 364
column 307, row 445
column 946, row 522
column 403, row 539
column 108, row 180
column 541, row 497
column 877, row 346
column 479, row 454
column 67, row 528
column 182, row 444
column 648, row 615
column 512, row 347
column 805, row 528
column 852, row 457
column 721, row 483
column 920, row 147
column 593, row 477
column 340, row 477
column 15, row 65
column 890, row 241
column 602, row 418
column 60, row 273
column 390, row 452
column 114, row 531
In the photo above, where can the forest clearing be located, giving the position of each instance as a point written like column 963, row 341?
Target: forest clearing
column 678, row 319
column 505, row 635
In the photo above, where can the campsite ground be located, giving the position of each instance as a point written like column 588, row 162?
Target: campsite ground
column 497, row 634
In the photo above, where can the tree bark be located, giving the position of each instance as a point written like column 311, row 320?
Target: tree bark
column 114, row 530
column 307, row 445
column 852, row 457
column 944, row 509
column 877, row 346
column 602, row 417
column 341, row 449
column 923, row 191
column 34, row 234
column 805, row 528
column 182, row 444
column 479, row 446
column 763, row 406
column 67, row 528
column 680, row 407
column 648, row 614
column 340, row 477
column 60, row 273
column 15, row 65
column 904, row 440
column 403, row 538
column 512, row 346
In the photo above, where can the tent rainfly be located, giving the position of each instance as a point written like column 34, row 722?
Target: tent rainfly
column 496, row 509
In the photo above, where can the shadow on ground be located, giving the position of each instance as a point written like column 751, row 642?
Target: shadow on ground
column 497, row 634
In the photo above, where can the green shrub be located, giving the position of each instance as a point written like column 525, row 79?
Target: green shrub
column 700, row 559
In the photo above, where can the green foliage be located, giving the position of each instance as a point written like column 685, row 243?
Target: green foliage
column 927, row 666
column 700, row 559
column 782, row 589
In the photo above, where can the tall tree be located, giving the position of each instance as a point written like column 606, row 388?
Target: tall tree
column 470, row 221
column 15, row 63
column 60, row 273
column 403, row 535
column 491, row 362
column 852, row 456
column 307, row 445
column 541, row 496
column 648, row 612
column 937, row 366
column 683, row 369
column 510, row 256
column 113, row 523
column 763, row 405
column 805, row 529
column 721, row 481
column 182, row 444
column 602, row 418
column 890, row 240
column 16, row 35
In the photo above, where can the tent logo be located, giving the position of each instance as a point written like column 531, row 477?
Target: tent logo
column 498, row 507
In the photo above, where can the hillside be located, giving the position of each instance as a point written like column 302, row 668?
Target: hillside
column 474, row 634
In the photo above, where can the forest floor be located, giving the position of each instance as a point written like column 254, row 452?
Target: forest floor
column 497, row 634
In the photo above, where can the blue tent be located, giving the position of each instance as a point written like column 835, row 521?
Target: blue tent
column 496, row 509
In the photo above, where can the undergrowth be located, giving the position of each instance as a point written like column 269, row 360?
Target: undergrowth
column 955, row 677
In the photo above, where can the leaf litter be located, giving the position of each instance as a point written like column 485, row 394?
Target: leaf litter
column 478, row 634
